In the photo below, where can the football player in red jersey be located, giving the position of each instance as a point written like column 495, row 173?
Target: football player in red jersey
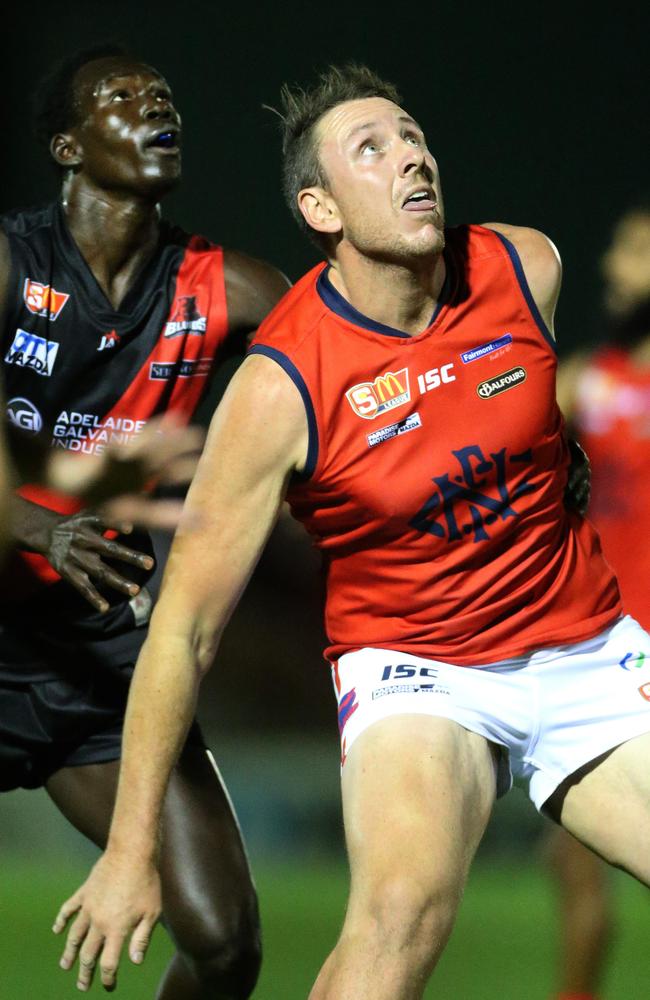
column 604, row 393
column 462, row 596
column 90, row 291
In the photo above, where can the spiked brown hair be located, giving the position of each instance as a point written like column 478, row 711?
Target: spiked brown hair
column 301, row 110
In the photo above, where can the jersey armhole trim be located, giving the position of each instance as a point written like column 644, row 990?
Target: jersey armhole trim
column 288, row 366
column 528, row 295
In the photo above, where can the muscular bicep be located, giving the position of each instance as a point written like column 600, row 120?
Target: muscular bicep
column 253, row 288
column 258, row 437
column 541, row 263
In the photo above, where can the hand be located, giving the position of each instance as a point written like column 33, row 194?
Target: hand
column 165, row 453
column 75, row 547
column 578, row 487
column 117, row 900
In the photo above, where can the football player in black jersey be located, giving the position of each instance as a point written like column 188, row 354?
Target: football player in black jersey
column 113, row 130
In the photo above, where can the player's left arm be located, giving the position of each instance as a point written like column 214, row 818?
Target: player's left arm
column 541, row 263
column 253, row 288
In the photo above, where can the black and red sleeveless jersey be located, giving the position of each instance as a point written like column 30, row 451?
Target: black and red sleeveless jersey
column 86, row 374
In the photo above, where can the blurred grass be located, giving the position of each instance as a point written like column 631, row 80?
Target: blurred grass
column 503, row 946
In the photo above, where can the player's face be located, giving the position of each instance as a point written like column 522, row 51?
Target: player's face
column 383, row 180
column 129, row 132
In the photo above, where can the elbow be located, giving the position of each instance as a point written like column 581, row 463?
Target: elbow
column 205, row 644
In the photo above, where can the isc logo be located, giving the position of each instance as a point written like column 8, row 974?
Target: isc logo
column 371, row 399
column 433, row 378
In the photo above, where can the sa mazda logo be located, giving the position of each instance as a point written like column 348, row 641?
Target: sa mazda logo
column 501, row 383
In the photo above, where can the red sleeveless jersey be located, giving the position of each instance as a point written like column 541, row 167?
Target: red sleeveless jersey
column 437, row 467
column 613, row 424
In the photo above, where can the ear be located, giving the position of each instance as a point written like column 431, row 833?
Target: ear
column 65, row 150
column 319, row 210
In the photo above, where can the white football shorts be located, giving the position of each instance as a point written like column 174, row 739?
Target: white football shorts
column 552, row 710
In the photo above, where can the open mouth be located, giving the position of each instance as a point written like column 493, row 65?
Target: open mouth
column 420, row 200
column 167, row 140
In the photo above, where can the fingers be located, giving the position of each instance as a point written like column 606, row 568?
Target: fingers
column 140, row 940
column 163, row 515
column 81, row 582
column 114, row 550
column 93, row 949
column 67, row 910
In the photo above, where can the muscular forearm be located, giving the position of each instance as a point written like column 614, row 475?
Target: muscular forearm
column 161, row 706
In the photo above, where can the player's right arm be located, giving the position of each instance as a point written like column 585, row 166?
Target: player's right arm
column 257, row 439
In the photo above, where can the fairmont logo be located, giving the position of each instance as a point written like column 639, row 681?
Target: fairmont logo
column 500, row 383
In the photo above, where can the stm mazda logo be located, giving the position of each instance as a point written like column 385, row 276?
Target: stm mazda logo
column 507, row 380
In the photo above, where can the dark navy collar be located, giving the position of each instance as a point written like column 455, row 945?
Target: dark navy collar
column 340, row 305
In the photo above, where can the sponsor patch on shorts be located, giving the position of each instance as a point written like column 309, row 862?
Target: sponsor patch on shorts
column 410, row 423
column 501, row 383
column 409, row 689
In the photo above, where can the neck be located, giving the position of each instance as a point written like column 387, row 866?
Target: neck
column 403, row 296
column 116, row 234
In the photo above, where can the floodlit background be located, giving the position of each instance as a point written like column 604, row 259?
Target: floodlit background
column 537, row 116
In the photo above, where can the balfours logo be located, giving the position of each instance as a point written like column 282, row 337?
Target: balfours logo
column 501, row 383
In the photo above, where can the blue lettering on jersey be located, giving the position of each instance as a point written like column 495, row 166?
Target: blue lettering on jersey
column 462, row 495
column 33, row 352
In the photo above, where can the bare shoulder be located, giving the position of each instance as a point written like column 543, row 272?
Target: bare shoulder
column 253, row 287
column 541, row 263
column 534, row 247
column 262, row 413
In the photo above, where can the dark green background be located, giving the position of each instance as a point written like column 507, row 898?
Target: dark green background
column 535, row 111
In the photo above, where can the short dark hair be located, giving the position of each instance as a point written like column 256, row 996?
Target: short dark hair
column 301, row 110
column 54, row 105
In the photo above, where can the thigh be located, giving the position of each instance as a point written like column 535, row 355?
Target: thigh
column 417, row 795
column 606, row 805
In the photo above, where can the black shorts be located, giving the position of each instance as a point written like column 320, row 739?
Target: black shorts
column 50, row 724
column 75, row 713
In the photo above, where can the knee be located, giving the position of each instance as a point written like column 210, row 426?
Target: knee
column 407, row 912
column 224, row 952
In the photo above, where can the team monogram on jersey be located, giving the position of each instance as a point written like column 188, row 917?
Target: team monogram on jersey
column 23, row 414
column 33, row 352
column 472, row 495
column 371, row 399
column 501, row 383
column 43, row 300
column 186, row 318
